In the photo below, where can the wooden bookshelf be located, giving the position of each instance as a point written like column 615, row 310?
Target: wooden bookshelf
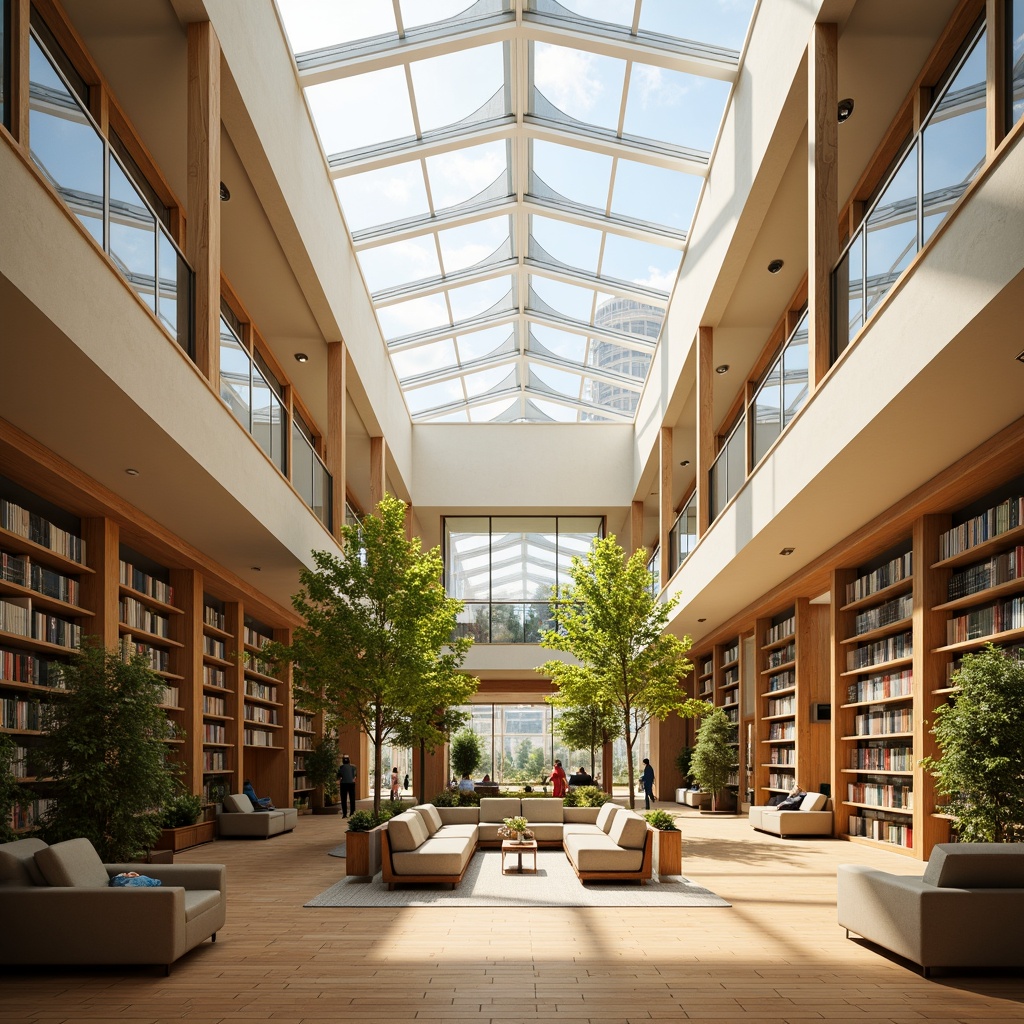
column 727, row 697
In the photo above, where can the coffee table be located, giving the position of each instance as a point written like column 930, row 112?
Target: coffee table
column 511, row 846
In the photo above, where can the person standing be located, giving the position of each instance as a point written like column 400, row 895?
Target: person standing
column 396, row 791
column 347, row 773
column 405, row 782
column 558, row 780
column 647, row 783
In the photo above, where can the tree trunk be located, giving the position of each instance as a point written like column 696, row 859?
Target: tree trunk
column 377, row 759
column 423, row 771
column 629, row 765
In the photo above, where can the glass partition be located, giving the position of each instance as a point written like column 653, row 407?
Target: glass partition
column 683, row 535
column 729, row 470
column 654, row 568
column 309, row 475
column 75, row 158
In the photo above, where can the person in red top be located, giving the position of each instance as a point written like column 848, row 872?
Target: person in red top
column 558, row 780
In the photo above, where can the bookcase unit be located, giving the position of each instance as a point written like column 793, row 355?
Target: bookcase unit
column 304, row 732
column 727, row 697
column 219, row 705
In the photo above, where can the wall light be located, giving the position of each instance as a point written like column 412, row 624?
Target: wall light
column 845, row 110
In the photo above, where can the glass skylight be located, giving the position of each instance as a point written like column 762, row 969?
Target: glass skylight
column 518, row 177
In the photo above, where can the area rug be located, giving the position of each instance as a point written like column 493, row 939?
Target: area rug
column 554, row 885
column 337, row 851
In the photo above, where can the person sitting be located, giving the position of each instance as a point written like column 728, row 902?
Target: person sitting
column 466, row 785
column 485, row 781
column 581, row 777
column 260, row 803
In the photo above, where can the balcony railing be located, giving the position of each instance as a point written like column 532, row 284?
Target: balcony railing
column 310, row 477
column 505, row 622
column 78, row 161
column 729, row 470
column 682, row 537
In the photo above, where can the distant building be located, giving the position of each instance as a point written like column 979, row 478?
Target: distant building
column 630, row 317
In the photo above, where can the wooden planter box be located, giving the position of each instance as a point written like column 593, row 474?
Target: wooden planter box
column 175, row 839
column 362, row 853
column 668, row 853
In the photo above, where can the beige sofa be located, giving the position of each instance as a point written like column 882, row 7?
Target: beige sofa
column 417, row 846
column 964, row 911
column 239, row 819
column 619, row 845
column 812, row 818
column 59, row 908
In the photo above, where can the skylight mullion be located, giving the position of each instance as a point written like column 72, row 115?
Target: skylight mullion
column 369, row 238
column 639, row 342
column 519, row 72
column 434, row 285
column 635, row 24
column 618, row 225
column 616, row 286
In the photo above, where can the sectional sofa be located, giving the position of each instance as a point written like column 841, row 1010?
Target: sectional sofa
column 812, row 818
column 240, row 819
column 436, row 844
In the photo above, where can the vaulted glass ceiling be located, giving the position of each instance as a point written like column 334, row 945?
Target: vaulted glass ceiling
column 518, row 177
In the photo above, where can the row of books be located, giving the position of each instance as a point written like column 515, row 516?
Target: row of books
column 258, row 738
column 214, row 705
column 884, row 614
column 781, row 656
column 215, row 648
column 731, row 653
column 782, row 706
column 883, row 758
column 994, row 522
column 982, row 622
column 169, row 696
column 146, row 584
column 897, row 795
column 139, row 616
column 41, row 531
column 785, row 628
column 880, row 687
column 215, row 677
column 31, row 814
column 260, row 714
column 782, row 680
column 254, row 638
column 18, row 713
column 303, row 722
column 880, row 651
column 261, row 665
column 55, row 630
column 23, row 667
column 214, row 791
column 883, row 829
column 900, row 568
column 782, row 731
column 19, row 763
column 300, row 782
column 999, row 569
column 262, row 691
column 781, row 755
column 731, row 677
column 158, row 660
column 299, row 763
column 215, row 732
column 732, row 712
column 881, row 722
column 303, row 743
column 707, row 666
column 215, row 760
column 213, row 617
column 15, row 616
column 779, row 780
column 24, row 573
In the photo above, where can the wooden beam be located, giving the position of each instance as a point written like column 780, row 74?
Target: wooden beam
column 378, row 470
column 636, row 526
column 995, row 75
column 705, row 425
column 19, row 55
column 822, row 192
column 203, row 195
column 337, row 430
column 665, row 516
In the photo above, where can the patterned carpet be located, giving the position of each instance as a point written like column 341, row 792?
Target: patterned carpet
column 554, row 885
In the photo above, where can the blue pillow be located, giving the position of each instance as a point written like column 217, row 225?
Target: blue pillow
column 122, row 881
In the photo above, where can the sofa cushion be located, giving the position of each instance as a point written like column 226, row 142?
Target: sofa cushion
column 545, row 809
column 437, row 856
column 813, row 802
column 406, row 832
column 547, row 831
column 976, row 866
column 599, row 853
column 17, row 863
column 428, row 812
column 198, row 901
column 628, row 831
column 238, row 803
column 74, row 863
column 605, row 816
column 498, row 808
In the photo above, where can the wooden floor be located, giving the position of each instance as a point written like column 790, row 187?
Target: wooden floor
column 776, row 955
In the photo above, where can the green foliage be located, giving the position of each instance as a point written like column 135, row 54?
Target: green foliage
column 11, row 794
column 586, row 796
column 182, row 810
column 364, row 821
column 103, row 747
column 466, row 753
column 615, row 628
column 377, row 647
column 981, row 736
column 588, row 727
column 683, row 761
column 452, row 798
column 713, row 757
column 322, row 768
column 662, row 821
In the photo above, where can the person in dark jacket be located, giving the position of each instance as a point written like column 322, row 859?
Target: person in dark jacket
column 647, row 783
column 347, row 774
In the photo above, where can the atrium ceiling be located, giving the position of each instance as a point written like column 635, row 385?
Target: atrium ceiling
column 518, row 178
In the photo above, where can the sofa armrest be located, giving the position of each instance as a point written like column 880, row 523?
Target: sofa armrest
column 187, row 876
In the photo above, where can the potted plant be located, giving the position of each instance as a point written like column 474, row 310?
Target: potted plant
column 362, row 842
column 668, row 846
column 465, row 753
column 322, row 771
column 714, row 755
column 180, row 824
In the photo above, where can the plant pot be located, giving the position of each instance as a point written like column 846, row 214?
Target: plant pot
column 362, row 853
column 186, row 836
column 668, row 853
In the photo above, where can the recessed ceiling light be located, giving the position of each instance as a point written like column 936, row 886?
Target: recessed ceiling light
column 787, row 551
column 775, row 266
column 724, row 368
column 132, row 472
column 845, row 110
column 225, row 193
column 301, row 357
column 256, row 568
column 685, row 462
column 702, row 620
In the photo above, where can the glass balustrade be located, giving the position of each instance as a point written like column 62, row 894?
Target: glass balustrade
column 729, row 470
column 1015, row 62
column 74, row 157
column 683, row 535
column 782, row 393
column 505, row 622
column 654, row 568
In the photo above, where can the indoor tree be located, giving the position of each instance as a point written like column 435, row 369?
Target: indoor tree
column 714, row 756
column 12, row 795
column 465, row 753
column 609, row 620
column 103, row 747
column 377, row 627
column 587, row 727
column 980, row 733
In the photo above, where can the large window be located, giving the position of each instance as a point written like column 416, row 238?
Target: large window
column 503, row 568
column 1015, row 61
column 5, row 64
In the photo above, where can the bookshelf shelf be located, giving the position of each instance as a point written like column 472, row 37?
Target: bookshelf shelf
column 882, row 631
column 875, row 771
column 1004, row 637
column 992, row 545
column 879, row 807
column 774, row 669
column 897, row 699
column 900, row 586
column 1015, row 586
column 11, row 541
column 879, row 667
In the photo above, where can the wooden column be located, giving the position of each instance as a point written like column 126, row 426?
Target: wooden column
column 607, row 767
column 995, row 75
column 99, row 588
column 202, row 246
column 636, row 526
column 378, row 470
column 665, row 509
column 19, row 52
column 337, row 430
column 705, row 425
column 822, row 192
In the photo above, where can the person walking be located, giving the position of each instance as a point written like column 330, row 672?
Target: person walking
column 647, row 784
column 405, row 781
column 558, row 780
column 347, row 773
column 396, row 791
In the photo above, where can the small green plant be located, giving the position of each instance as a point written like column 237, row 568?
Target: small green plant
column 586, row 796
column 182, row 810
column 364, row 821
column 452, row 798
column 662, row 821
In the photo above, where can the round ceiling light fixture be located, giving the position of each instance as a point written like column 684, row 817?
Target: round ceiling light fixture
column 225, row 193
column 685, row 462
column 301, row 357
column 775, row 266
column 845, row 110
column 131, row 471
column 724, row 368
